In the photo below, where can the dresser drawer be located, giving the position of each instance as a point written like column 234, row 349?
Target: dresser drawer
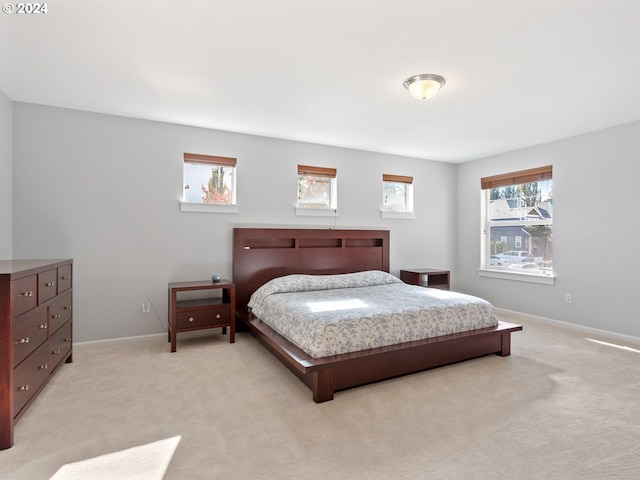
column 29, row 331
column 204, row 318
column 29, row 376
column 60, row 312
column 47, row 285
column 25, row 294
column 64, row 278
column 60, row 344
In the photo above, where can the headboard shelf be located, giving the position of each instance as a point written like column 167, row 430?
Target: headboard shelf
column 269, row 243
column 320, row 243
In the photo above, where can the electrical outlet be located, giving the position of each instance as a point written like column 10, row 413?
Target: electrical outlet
column 568, row 298
column 146, row 306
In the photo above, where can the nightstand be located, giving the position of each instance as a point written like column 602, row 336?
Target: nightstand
column 214, row 307
column 427, row 277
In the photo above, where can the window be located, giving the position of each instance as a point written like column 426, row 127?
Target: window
column 209, row 179
column 397, row 193
column 518, row 219
column 317, row 187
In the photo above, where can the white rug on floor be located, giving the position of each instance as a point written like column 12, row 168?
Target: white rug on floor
column 145, row 462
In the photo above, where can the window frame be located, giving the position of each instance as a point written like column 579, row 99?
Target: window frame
column 507, row 180
column 315, row 173
column 407, row 182
column 212, row 161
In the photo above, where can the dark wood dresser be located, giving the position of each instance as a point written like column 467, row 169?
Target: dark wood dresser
column 35, row 332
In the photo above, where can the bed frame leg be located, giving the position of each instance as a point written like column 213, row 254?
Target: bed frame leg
column 506, row 345
column 322, row 386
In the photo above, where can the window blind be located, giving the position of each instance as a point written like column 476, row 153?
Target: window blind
column 317, row 171
column 517, row 178
column 396, row 178
column 212, row 159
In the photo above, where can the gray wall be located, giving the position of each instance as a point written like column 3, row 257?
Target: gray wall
column 6, row 159
column 596, row 255
column 104, row 190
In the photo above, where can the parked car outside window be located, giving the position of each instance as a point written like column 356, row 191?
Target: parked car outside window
column 518, row 256
column 526, row 267
column 498, row 260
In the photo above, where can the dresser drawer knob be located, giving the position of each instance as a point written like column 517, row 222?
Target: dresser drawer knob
column 66, row 277
column 217, row 315
column 68, row 339
column 23, row 340
column 50, row 284
column 56, row 315
column 42, row 326
column 23, row 388
column 27, row 294
column 55, row 352
column 43, row 367
column 191, row 319
column 67, row 307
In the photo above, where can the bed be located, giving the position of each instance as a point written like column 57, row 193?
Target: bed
column 269, row 262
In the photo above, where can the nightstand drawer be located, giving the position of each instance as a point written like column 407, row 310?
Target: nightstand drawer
column 204, row 318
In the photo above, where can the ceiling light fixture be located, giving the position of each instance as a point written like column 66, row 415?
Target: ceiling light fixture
column 425, row 86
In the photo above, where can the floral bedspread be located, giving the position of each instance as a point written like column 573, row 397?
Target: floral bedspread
column 327, row 315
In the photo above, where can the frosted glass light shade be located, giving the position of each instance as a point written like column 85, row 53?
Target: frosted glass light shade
column 425, row 86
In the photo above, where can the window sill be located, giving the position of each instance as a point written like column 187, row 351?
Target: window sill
column 317, row 212
column 518, row 277
column 208, row 207
column 401, row 215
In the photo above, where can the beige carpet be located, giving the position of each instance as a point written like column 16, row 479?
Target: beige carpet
column 560, row 407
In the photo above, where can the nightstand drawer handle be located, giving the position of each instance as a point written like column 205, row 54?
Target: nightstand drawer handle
column 56, row 315
column 55, row 352
column 23, row 388
column 66, row 277
column 67, row 307
column 68, row 339
column 42, row 326
column 50, row 284
column 27, row 294
column 191, row 319
column 23, row 340
column 43, row 367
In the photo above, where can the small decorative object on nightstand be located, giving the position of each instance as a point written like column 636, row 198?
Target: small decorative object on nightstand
column 186, row 315
column 427, row 277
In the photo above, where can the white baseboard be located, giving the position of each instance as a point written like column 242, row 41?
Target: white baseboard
column 579, row 328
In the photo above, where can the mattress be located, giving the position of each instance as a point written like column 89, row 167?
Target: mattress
column 327, row 315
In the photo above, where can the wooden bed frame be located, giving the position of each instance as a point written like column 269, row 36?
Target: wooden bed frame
column 260, row 254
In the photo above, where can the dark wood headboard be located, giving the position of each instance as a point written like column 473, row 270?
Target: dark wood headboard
column 261, row 254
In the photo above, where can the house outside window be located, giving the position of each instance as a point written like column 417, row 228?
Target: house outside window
column 209, row 179
column 518, row 219
column 397, row 193
column 317, row 187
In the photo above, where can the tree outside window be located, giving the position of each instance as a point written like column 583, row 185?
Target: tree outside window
column 316, row 187
column 209, row 179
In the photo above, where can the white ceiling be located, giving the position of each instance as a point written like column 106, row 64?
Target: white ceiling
column 518, row 72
